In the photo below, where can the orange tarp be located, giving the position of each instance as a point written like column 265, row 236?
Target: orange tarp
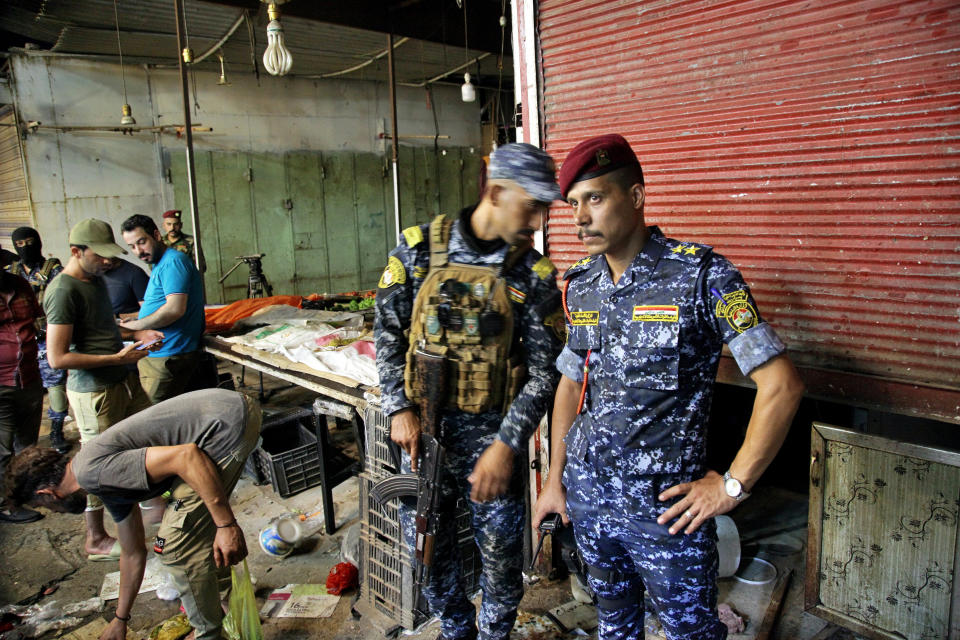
column 222, row 319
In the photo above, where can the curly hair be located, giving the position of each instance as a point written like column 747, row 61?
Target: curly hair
column 32, row 469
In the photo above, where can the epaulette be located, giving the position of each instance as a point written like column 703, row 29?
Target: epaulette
column 413, row 235
column 579, row 267
column 692, row 252
column 543, row 267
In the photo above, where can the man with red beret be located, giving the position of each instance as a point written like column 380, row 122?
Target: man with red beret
column 174, row 238
column 646, row 319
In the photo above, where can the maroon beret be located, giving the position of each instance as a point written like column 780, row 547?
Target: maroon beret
column 173, row 213
column 595, row 157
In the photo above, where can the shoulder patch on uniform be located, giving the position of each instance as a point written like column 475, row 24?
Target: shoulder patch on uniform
column 543, row 267
column 394, row 273
column 556, row 322
column 579, row 266
column 516, row 295
column 736, row 309
column 413, row 235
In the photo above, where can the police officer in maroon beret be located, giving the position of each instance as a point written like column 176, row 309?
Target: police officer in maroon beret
column 175, row 238
column 647, row 316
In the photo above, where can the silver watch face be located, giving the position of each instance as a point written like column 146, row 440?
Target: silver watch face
column 732, row 487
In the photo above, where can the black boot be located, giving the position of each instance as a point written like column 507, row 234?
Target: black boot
column 56, row 436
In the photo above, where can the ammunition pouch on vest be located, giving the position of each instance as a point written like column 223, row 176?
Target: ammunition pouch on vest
column 462, row 312
column 40, row 324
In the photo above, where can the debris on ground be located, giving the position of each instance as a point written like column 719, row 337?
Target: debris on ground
column 154, row 575
column 35, row 620
column 172, row 629
column 574, row 615
column 343, row 577
column 730, row 618
column 300, row 601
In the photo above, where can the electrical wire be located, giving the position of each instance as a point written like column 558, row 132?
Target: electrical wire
column 193, row 76
column 123, row 79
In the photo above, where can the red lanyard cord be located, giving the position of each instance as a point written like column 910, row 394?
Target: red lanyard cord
column 586, row 362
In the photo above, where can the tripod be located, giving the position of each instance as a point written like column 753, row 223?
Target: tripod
column 257, row 285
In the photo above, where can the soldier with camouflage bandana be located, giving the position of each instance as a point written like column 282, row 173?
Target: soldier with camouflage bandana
column 646, row 318
column 484, row 451
column 39, row 271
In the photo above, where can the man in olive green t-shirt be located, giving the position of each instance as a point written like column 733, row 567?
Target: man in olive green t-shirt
column 83, row 336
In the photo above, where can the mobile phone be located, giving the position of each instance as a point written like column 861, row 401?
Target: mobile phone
column 147, row 345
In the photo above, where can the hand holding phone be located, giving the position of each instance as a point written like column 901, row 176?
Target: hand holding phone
column 147, row 345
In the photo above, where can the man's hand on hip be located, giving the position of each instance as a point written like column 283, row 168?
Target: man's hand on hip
column 405, row 431
column 491, row 475
column 702, row 500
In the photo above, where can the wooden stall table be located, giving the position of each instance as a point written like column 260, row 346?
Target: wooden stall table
column 341, row 397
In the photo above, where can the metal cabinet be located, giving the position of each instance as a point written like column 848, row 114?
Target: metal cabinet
column 882, row 558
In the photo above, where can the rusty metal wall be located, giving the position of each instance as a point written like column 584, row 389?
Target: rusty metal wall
column 14, row 199
column 815, row 144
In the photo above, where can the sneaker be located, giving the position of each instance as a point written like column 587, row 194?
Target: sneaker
column 19, row 515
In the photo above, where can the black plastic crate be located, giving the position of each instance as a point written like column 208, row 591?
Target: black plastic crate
column 289, row 456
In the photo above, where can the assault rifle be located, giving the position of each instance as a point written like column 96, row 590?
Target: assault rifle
column 425, row 484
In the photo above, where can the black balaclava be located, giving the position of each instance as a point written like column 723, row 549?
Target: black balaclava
column 31, row 255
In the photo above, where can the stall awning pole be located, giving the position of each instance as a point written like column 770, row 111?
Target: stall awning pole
column 393, row 134
column 188, row 131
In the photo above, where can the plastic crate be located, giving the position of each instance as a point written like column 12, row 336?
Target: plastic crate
column 382, row 458
column 386, row 579
column 289, row 456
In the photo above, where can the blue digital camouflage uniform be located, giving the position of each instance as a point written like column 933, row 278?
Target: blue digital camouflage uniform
column 498, row 524
column 654, row 341
column 51, row 377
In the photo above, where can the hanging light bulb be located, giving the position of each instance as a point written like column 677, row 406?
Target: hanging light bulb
column 276, row 59
column 127, row 115
column 467, row 91
column 223, row 70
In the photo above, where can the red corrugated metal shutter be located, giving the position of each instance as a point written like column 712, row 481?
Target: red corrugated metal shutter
column 815, row 144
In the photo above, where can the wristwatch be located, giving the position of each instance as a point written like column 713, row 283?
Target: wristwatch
column 733, row 488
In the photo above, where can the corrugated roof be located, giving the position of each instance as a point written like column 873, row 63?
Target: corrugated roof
column 148, row 33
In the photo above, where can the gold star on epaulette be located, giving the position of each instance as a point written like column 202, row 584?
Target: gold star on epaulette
column 692, row 251
column 677, row 249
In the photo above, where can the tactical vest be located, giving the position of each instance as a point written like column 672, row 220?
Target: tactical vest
column 463, row 313
column 38, row 287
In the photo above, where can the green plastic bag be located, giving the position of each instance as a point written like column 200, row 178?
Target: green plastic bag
column 243, row 620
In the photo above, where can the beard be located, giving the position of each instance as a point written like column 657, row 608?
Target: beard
column 75, row 503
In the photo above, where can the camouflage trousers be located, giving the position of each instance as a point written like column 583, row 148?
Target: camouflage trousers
column 51, row 377
column 53, row 381
column 627, row 552
column 497, row 530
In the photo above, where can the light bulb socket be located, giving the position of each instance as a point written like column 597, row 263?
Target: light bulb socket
column 272, row 11
column 127, row 117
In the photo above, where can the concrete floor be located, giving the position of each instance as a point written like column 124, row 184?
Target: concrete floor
column 47, row 556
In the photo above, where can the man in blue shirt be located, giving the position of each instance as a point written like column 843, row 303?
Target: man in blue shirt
column 173, row 302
